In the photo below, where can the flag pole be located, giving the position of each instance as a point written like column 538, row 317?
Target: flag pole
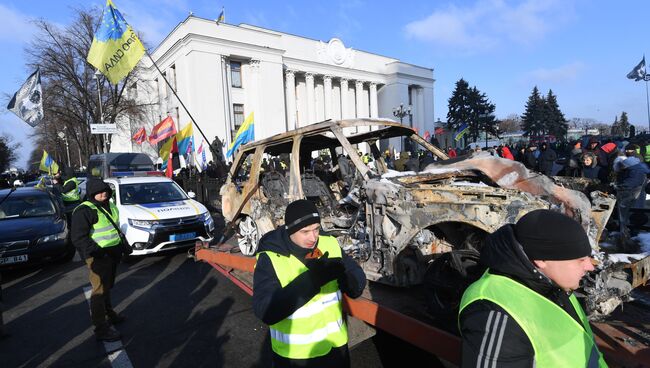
column 647, row 99
column 180, row 101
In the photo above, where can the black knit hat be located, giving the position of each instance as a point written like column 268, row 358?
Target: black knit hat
column 94, row 186
column 547, row 235
column 299, row 214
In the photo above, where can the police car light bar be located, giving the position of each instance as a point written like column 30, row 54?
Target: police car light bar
column 122, row 174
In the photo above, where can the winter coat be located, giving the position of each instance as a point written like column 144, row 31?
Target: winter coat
column 631, row 173
column 504, row 256
column 546, row 159
column 83, row 219
column 505, row 152
column 272, row 303
column 530, row 161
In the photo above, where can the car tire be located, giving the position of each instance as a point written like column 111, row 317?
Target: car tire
column 69, row 254
column 247, row 236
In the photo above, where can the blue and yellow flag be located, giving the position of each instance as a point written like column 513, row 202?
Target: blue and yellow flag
column 245, row 134
column 47, row 164
column 222, row 16
column 185, row 139
column 462, row 129
column 116, row 49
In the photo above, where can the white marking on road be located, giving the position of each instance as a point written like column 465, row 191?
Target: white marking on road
column 116, row 352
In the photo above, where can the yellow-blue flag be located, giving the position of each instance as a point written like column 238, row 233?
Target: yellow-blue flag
column 116, row 49
column 48, row 164
column 245, row 134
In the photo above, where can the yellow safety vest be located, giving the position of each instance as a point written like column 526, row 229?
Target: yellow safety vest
column 558, row 340
column 73, row 195
column 103, row 232
column 316, row 327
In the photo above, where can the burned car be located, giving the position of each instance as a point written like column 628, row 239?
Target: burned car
column 397, row 224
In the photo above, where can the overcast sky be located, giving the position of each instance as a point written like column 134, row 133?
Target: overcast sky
column 580, row 49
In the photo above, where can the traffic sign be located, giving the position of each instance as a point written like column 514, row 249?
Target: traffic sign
column 103, row 128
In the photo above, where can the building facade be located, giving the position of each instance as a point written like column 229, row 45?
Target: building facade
column 223, row 72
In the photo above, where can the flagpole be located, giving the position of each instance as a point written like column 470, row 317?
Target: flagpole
column 647, row 99
column 179, row 100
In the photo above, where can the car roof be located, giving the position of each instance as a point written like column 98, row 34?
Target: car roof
column 139, row 179
column 24, row 191
column 328, row 124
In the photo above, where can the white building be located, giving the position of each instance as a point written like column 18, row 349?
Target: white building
column 224, row 72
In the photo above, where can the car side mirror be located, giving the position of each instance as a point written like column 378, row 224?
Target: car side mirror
column 191, row 194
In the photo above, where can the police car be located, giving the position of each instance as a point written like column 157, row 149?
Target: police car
column 156, row 214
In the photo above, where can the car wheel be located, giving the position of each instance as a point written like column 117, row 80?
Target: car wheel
column 68, row 255
column 248, row 236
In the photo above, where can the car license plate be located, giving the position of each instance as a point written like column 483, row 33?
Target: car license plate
column 179, row 237
column 13, row 259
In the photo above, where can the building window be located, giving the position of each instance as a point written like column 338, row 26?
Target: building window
column 172, row 70
column 238, row 114
column 235, row 74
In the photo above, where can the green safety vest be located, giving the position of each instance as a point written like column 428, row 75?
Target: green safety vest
column 557, row 338
column 103, row 232
column 75, row 194
column 646, row 154
column 316, row 327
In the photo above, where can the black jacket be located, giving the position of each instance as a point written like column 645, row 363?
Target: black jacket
column 272, row 303
column 489, row 333
column 83, row 220
column 546, row 159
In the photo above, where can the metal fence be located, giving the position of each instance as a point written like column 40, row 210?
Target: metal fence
column 206, row 190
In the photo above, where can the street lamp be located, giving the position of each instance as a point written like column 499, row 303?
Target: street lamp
column 485, row 115
column 67, row 147
column 101, row 114
column 400, row 113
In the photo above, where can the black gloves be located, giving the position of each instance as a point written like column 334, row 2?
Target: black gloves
column 324, row 269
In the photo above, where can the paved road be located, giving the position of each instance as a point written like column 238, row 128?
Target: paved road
column 180, row 314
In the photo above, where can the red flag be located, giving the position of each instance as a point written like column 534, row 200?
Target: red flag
column 140, row 136
column 427, row 135
column 438, row 131
column 162, row 130
column 173, row 159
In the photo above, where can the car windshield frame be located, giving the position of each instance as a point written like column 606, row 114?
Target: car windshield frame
column 7, row 212
column 144, row 193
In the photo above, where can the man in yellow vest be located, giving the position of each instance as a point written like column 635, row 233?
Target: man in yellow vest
column 96, row 236
column 522, row 312
column 297, row 291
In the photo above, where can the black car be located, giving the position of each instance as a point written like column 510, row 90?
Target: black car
column 33, row 227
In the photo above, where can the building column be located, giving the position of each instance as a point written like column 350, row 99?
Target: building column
column 358, row 89
column 311, row 101
column 344, row 99
column 290, row 98
column 327, row 85
column 374, row 110
column 420, row 111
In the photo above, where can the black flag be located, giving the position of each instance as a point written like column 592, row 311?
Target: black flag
column 638, row 73
column 27, row 103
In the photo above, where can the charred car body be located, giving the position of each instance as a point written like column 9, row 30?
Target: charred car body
column 397, row 224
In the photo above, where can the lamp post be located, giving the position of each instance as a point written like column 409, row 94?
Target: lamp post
column 67, row 147
column 101, row 114
column 400, row 113
column 484, row 116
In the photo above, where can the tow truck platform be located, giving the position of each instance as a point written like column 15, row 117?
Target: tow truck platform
column 624, row 338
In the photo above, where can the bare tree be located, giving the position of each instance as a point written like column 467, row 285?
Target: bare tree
column 70, row 97
column 511, row 124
